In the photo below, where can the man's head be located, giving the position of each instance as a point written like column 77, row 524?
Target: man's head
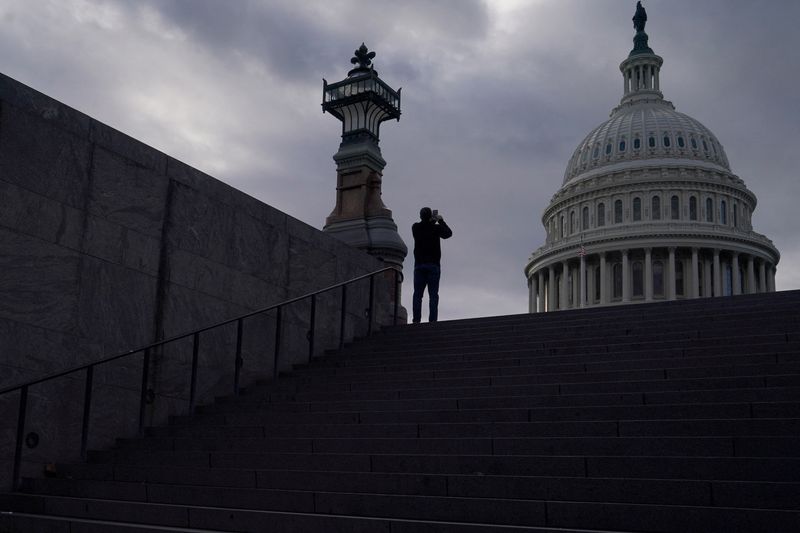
column 425, row 214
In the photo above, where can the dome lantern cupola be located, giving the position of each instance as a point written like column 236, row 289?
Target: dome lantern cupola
column 641, row 69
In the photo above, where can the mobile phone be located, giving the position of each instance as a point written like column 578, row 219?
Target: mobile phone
column 435, row 214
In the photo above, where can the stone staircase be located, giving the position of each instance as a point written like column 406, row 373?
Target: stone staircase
column 670, row 417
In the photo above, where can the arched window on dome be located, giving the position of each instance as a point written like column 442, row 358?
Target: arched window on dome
column 705, row 145
column 709, row 210
column 694, row 143
column 675, row 208
column 679, row 277
column 617, row 278
column 638, row 278
column 596, row 152
column 608, row 148
column 692, row 208
column 571, row 222
column 585, row 218
column 658, row 278
column 667, row 141
column 618, row 212
column 735, row 215
column 601, row 214
column 723, row 213
column 681, row 142
column 651, row 142
column 655, row 208
column 637, row 209
column 584, row 155
column 637, row 143
column 622, row 145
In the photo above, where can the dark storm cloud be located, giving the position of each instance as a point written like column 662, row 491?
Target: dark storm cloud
column 288, row 41
column 297, row 39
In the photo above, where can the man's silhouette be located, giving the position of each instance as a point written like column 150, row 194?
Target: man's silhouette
column 427, row 255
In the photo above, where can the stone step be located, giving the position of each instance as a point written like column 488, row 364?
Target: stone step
column 280, row 522
column 673, row 367
column 709, row 308
column 775, row 495
column 599, row 425
column 639, row 343
column 437, row 508
column 37, row 523
column 631, row 351
column 487, row 390
column 774, row 446
column 217, row 414
column 476, row 456
column 614, row 490
column 499, row 365
column 524, row 376
column 565, row 339
column 235, row 422
column 679, row 325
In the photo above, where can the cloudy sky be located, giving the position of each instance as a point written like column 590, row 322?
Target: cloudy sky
column 496, row 96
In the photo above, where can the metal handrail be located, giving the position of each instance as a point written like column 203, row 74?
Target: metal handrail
column 195, row 334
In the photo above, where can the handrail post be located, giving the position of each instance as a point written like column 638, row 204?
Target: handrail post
column 87, row 410
column 193, row 384
column 396, row 296
column 143, row 395
column 23, row 406
column 277, row 343
column 371, row 305
column 311, row 324
column 239, row 361
column 343, row 317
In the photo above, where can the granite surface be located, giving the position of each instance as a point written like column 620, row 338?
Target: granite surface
column 107, row 244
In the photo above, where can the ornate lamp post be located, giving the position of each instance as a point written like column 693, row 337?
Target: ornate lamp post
column 362, row 101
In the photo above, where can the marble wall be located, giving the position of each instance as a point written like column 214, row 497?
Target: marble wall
column 107, row 244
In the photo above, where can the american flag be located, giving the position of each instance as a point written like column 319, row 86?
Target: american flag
column 582, row 251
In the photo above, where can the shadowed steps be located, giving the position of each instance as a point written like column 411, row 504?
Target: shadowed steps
column 670, row 417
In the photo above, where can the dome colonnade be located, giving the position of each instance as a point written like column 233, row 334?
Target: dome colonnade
column 649, row 209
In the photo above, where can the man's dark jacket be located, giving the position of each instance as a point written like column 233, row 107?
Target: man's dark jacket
column 427, row 249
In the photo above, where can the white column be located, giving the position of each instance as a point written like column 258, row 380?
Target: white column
column 695, row 275
column 564, row 302
column 551, row 288
column 737, row 279
column 707, row 278
column 534, row 300
column 762, row 276
column 717, row 274
column 626, row 277
column 648, row 274
column 671, row 274
column 582, row 281
column 751, row 275
column 541, row 308
column 603, row 279
column 771, row 279
column 574, row 288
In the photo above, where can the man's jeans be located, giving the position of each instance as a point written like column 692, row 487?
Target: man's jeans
column 426, row 275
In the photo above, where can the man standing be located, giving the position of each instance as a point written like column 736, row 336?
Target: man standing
column 427, row 254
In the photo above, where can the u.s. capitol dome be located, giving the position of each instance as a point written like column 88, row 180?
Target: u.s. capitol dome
column 649, row 209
